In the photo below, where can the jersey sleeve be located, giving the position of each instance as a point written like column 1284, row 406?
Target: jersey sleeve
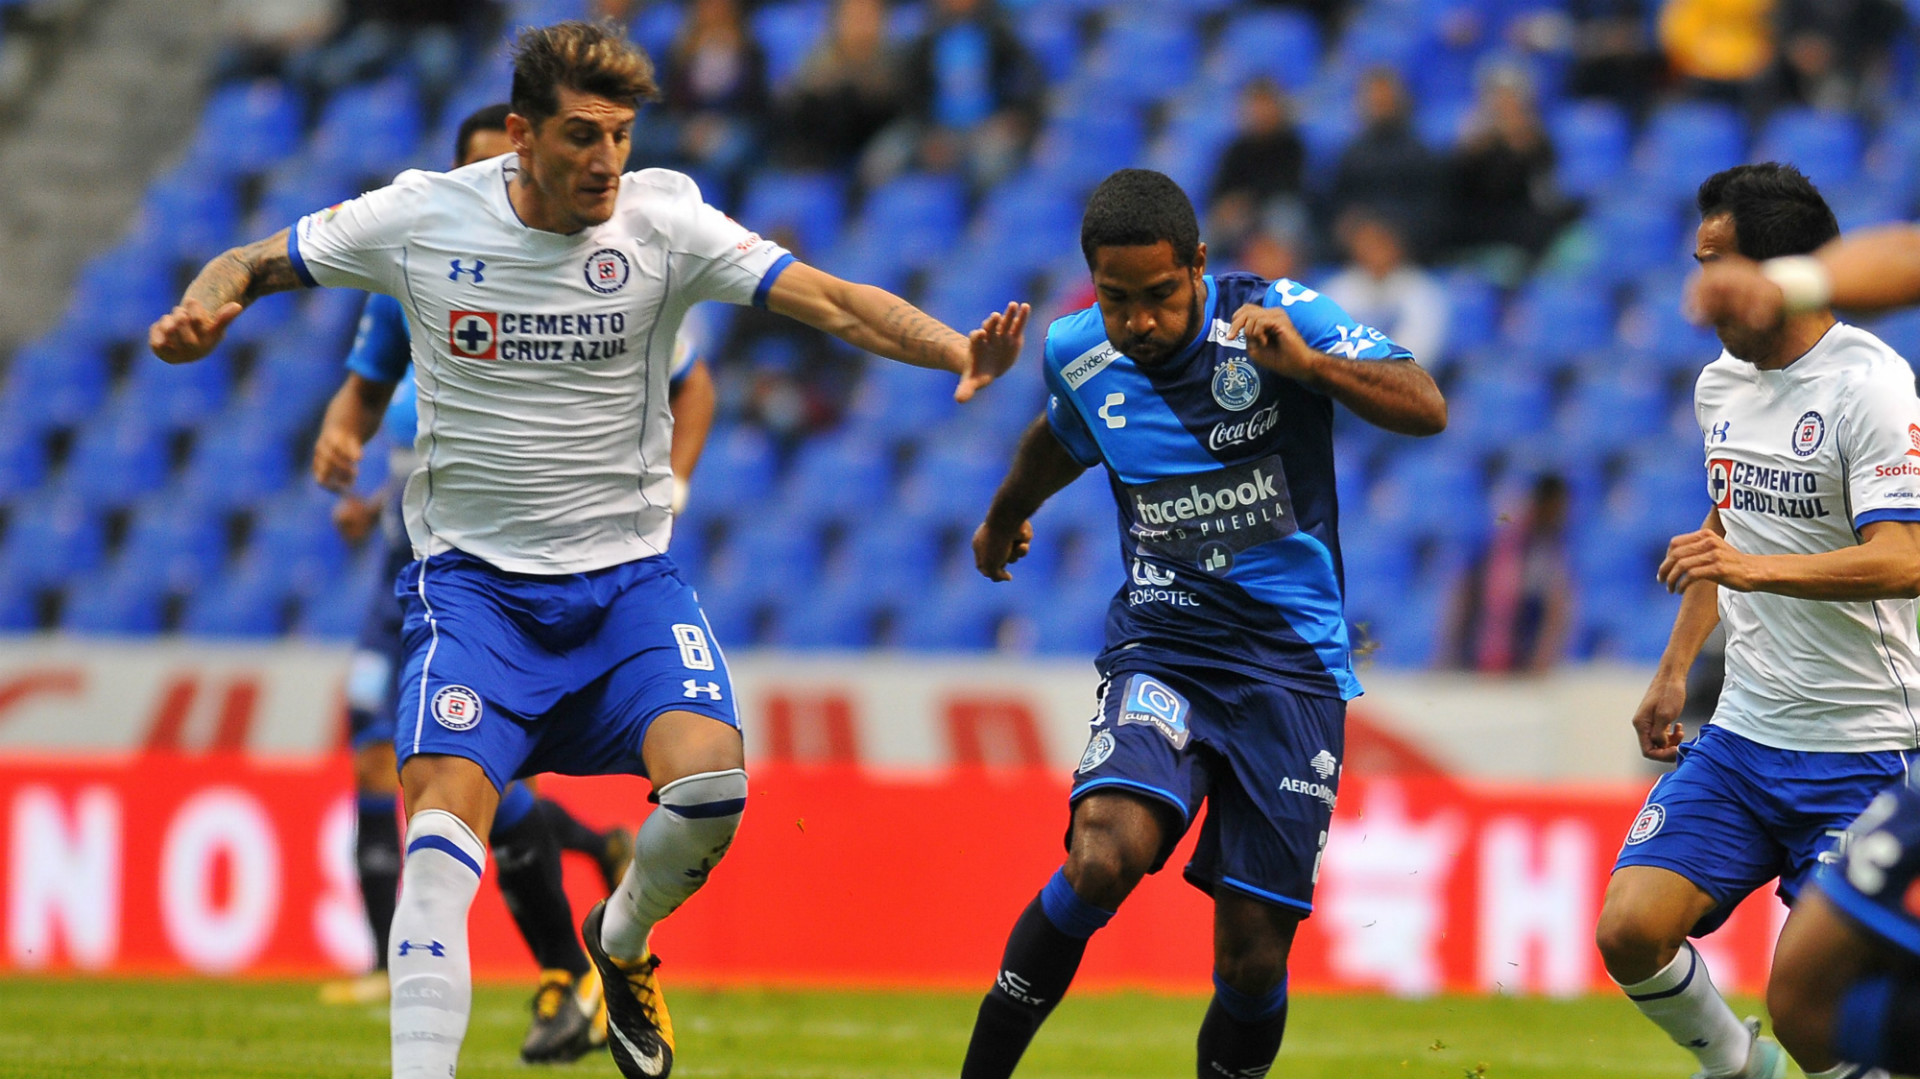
column 1880, row 440
column 359, row 243
column 1326, row 326
column 717, row 258
column 382, row 347
column 1065, row 420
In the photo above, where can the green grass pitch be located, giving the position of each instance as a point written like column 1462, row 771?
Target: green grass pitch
column 127, row 1029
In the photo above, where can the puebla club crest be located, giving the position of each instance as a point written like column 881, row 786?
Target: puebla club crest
column 1236, row 384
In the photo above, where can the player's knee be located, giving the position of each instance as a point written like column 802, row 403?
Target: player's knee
column 1106, row 861
column 1254, row 971
column 1634, row 945
column 712, row 801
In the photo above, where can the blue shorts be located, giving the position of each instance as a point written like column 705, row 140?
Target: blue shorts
column 373, row 680
column 1736, row 814
column 524, row 674
column 1265, row 758
column 1876, row 882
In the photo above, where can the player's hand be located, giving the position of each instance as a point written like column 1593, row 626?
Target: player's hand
column 1705, row 556
column 993, row 348
column 355, row 517
column 336, row 459
column 189, row 331
column 1657, row 720
column 1733, row 290
column 1273, row 342
column 994, row 549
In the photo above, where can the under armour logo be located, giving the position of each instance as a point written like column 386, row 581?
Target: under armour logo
column 475, row 271
column 695, row 689
column 1720, row 430
column 437, row 949
column 1698, row 1043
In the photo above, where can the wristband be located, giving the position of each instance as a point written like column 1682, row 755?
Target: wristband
column 680, row 489
column 1803, row 281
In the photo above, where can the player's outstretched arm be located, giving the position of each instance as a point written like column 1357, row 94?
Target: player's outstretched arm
column 1885, row 564
column 216, row 297
column 1870, row 270
column 879, row 322
column 1657, row 720
column 692, row 401
column 1397, row 395
column 1041, row 467
column 352, row 416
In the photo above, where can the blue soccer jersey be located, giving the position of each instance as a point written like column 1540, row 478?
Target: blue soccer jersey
column 1224, row 477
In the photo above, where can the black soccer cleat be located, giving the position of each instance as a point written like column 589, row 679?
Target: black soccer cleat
column 562, row 1028
column 616, row 854
column 639, row 1031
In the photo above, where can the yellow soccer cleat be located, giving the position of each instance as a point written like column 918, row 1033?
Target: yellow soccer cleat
column 640, row 1033
column 369, row 988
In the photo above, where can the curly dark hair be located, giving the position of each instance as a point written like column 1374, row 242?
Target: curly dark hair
column 1138, row 208
column 1776, row 210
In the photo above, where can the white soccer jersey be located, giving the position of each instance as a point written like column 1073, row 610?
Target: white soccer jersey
column 1798, row 461
column 541, row 359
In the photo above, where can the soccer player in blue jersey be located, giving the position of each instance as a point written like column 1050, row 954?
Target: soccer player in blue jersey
column 1845, row 983
column 1209, row 400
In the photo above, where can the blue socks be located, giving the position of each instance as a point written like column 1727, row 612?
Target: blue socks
column 1241, row 1034
column 1043, row 953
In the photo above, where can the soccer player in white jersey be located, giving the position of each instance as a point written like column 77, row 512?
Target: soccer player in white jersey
column 1846, row 975
column 547, row 630
column 1811, row 556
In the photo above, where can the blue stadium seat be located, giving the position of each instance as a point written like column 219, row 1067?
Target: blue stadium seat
column 23, row 459
column 1407, row 634
column 1685, row 142
column 896, row 402
column 1556, row 319
column 248, row 128
column 237, row 462
column 329, row 316
column 1024, row 225
column 49, row 541
column 1144, row 56
column 122, row 290
column 1656, row 328
column 60, row 380
column 787, row 32
column 372, row 128
column 298, row 189
column 194, row 215
column 294, row 534
column 836, row 478
column 1824, row 144
column 738, row 468
column 1050, row 33
column 893, row 556
column 126, row 601
column 1438, row 490
column 249, row 602
column 1591, row 142
column 1490, row 408
column 952, row 481
column 1473, row 315
column 734, row 609
column 1069, row 621
column 1610, row 413
column 811, row 205
column 963, row 615
column 1080, row 147
column 1197, row 132
column 918, row 217
column 291, row 382
column 181, row 542
column 178, row 396
column 117, row 458
column 19, row 607
column 841, row 613
column 337, row 613
column 1635, row 236
column 1282, row 45
column 267, row 316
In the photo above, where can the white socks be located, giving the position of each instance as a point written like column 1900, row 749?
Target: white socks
column 427, row 958
column 1682, row 1001
column 676, row 847
column 1844, row 1070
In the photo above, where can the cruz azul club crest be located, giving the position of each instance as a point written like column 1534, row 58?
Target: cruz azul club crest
column 607, row 271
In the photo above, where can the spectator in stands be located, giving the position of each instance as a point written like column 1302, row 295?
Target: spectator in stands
column 1386, row 168
column 1271, row 253
column 1503, row 172
column 1613, row 52
column 268, row 38
column 1512, row 610
column 970, row 81
column 1382, row 288
column 1266, row 157
column 430, row 37
column 846, row 92
column 1833, row 51
column 1720, row 48
column 716, row 89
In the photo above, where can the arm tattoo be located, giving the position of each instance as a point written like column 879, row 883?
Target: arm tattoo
column 922, row 339
column 245, row 274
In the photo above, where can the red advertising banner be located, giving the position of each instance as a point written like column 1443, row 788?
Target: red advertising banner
column 233, row 864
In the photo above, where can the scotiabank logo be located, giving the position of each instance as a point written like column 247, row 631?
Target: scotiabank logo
column 1198, row 503
column 1913, row 440
column 1904, row 468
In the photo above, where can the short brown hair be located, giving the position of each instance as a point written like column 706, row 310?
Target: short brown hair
column 590, row 57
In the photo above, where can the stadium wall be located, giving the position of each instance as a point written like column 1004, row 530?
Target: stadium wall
column 898, row 825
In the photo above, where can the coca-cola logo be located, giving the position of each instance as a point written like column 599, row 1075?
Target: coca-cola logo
column 1232, row 434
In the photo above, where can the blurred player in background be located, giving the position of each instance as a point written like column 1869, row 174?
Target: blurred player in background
column 1227, row 670
column 1846, row 974
column 1811, row 558
column 546, row 628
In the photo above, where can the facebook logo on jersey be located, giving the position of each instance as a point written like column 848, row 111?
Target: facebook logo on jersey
column 475, row 269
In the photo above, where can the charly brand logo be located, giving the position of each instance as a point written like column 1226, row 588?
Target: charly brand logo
column 1236, row 384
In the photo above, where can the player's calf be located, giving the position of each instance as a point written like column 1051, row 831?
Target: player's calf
column 427, row 959
column 675, row 849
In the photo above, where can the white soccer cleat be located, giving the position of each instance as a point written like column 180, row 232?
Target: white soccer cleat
column 1765, row 1058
